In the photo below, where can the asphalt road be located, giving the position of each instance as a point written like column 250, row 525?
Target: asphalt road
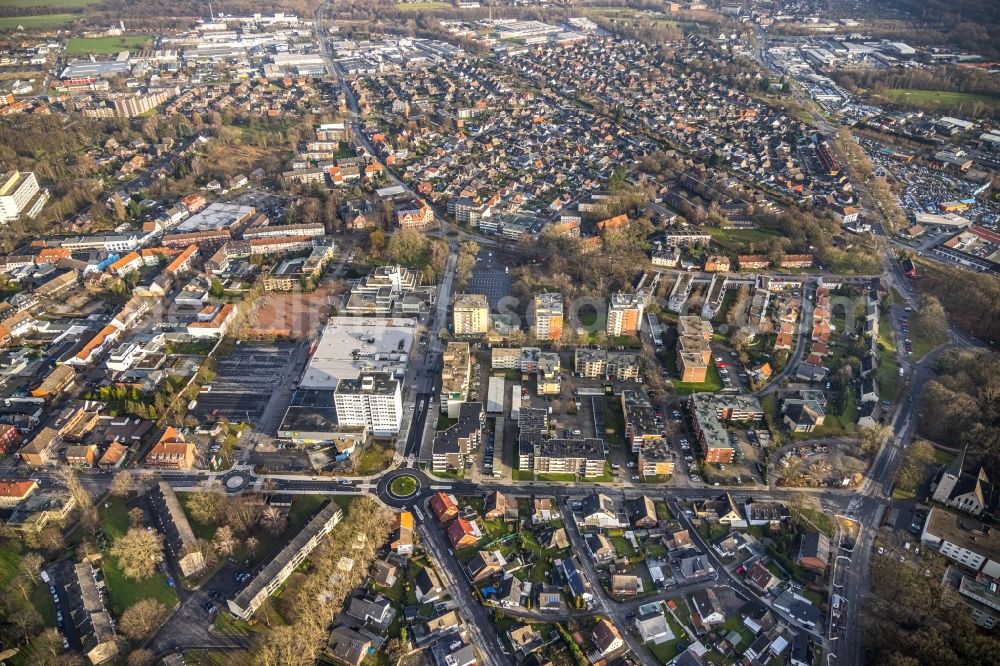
column 480, row 625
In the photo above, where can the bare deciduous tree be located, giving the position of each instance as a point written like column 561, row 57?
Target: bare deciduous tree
column 138, row 551
column 141, row 618
column 121, row 484
column 31, row 566
column 224, row 541
column 207, row 507
column 273, row 520
column 141, row 657
column 136, row 517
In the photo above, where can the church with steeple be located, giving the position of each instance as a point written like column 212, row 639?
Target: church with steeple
column 966, row 491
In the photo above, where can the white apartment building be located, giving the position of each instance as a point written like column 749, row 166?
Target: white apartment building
column 964, row 540
column 18, row 190
column 373, row 400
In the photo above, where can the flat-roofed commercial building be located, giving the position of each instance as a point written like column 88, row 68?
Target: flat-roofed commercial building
column 964, row 540
column 280, row 567
column 351, row 345
column 217, row 216
column 471, row 315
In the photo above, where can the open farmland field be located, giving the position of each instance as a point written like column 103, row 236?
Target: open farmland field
column 36, row 22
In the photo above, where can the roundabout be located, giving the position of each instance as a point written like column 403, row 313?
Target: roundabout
column 234, row 481
column 403, row 486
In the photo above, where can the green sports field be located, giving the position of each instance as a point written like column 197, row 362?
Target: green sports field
column 104, row 45
column 936, row 99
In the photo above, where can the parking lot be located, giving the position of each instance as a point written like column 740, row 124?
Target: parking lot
column 489, row 278
column 245, row 382
column 731, row 371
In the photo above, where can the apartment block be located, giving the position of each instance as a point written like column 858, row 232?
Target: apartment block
column 624, row 314
column 471, row 315
column 180, row 539
column 373, row 400
column 693, row 351
column 655, row 459
column 640, row 419
column 584, row 457
column 274, row 573
column 93, row 623
column 455, row 445
column 20, row 195
column 711, row 412
column 547, row 316
column 606, row 364
column 456, row 375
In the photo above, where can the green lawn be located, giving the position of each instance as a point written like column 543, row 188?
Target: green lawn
column 936, row 99
column 734, row 623
column 39, row 22
column 104, row 45
column 114, row 517
column 614, row 422
column 923, row 343
column 812, row 519
column 41, row 599
column 453, row 474
column 666, row 651
column 373, row 459
column 839, row 424
column 555, row 477
column 303, row 506
column 712, row 383
column 623, row 547
column 403, row 486
column 11, row 553
column 124, row 592
column 443, row 422
column 739, row 240
column 10, row 560
column 943, row 458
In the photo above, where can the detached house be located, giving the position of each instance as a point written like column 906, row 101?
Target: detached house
column 814, row 551
column 600, row 511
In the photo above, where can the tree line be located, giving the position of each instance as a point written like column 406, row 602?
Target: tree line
column 961, row 405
